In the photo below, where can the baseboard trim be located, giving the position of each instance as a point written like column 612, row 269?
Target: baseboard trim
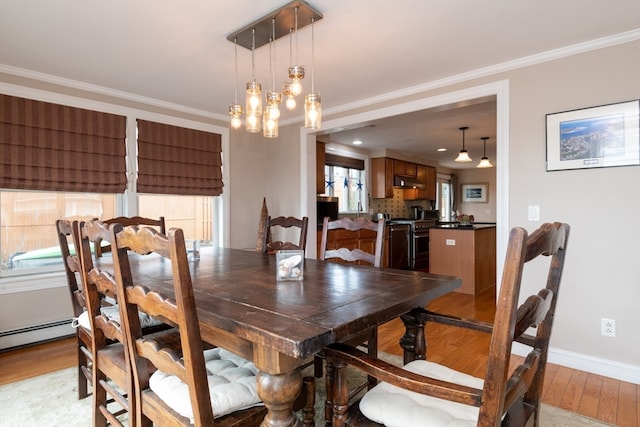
column 594, row 365
column 33, row 334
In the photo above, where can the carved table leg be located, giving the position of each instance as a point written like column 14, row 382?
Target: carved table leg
column 278, row 393
column 413, row 341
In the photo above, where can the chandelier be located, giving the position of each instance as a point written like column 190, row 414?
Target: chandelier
column 266, row 30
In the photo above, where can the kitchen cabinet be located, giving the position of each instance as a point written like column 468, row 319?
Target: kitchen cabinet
column 402, row 168
column 468, row 253
column 382, row 178
column 362, row 239
column 427, row 176
column 320, row 156
column 383, row 170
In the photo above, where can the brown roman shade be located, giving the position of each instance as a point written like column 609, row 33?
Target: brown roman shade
column 344, row 162
column 177, row 160
column 51, row 147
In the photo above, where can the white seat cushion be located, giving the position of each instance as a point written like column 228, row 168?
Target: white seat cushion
column 232, row 385
column 112, row 313
column 395, row 407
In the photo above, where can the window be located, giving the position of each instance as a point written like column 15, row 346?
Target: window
column 349, row 186
column 444, row 199
column 28, row 238
column 194, row 214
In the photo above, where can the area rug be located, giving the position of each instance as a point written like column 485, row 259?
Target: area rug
column 51, row 401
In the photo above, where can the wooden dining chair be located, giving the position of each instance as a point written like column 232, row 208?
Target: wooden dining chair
column 159, row 224
column 342, row 241
column 176, row 381
column 111, row 369
column 71, row 263
column 275, row 227
column 429, row 394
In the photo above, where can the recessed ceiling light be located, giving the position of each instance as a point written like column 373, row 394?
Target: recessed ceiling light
column 357, row 142
column 442, row 149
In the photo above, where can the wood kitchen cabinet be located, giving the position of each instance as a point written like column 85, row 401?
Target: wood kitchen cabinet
column 402, row 168
column 382, row 178
column 427, row 176
column 383, row 170
column 468, row 253
column 320, row 156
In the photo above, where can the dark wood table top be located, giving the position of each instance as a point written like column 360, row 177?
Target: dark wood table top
column 237, row 291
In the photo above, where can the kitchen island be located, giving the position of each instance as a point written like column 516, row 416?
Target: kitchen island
column 466, row 251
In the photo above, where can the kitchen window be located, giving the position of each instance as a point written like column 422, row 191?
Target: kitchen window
column 349, row 186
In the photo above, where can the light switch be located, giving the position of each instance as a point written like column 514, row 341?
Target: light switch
column 534, row 213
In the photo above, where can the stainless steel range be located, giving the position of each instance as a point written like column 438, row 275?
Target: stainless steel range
column 417, row 240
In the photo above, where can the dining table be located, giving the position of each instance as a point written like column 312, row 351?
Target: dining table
column 279, row 325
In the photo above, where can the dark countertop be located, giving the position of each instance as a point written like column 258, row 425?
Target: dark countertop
column 457, row 226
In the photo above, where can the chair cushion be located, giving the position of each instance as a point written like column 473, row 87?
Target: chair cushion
column 232, row 385
column 395, row 407
column 112, row 313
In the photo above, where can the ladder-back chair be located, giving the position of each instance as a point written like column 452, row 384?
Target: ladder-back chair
column 273, row 225
column 429, row 394
column 175, row 390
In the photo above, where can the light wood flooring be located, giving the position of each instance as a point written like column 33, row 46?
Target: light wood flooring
column 595, row 396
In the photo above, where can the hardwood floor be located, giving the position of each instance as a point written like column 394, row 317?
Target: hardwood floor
column 595, row 396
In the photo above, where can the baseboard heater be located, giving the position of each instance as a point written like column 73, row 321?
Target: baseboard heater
column 33, row 334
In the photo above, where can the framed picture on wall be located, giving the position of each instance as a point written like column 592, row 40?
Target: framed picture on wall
column 595, row 137
column 475, row 193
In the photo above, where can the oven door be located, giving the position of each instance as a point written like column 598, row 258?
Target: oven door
column 420, row 253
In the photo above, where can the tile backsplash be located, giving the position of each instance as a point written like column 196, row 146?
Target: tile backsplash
column 396, row 207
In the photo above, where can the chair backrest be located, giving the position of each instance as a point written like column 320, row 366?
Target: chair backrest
column 178, row 309
column 71, row 263
column 98, row 283
column 330, row 246
column 282, row 222
column 512, row 322
column 127, row 221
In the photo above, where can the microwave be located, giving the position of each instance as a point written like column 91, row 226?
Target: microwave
column 327, row 206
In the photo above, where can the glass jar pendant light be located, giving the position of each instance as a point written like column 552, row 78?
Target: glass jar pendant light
column 253, row 95
column 271, row 110
column 296, row 72
column 463, row 156
column 312, row 102
column 235, row 109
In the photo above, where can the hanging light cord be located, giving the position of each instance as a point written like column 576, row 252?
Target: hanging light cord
column 272, row 56
column 296, row 26
column 235, row 42
column 313, row 55
column 253, row 54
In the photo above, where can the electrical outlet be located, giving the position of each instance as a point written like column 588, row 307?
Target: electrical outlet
column 450, row 242
column 608, row 327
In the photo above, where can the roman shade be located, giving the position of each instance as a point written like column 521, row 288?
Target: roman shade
column 344, row 162
column 52, row 147
column 177, row 160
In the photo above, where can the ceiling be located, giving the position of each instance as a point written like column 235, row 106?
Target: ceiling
column 175, row 53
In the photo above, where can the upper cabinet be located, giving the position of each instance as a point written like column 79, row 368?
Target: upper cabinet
column 382, row 178
column 383, row 170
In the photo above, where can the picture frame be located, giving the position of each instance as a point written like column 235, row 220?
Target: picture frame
column 475, row 193
column 595, row 137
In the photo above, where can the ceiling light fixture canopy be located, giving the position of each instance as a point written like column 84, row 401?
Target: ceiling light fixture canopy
column 484, row 162
column 266, row 30
column 463, row 156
